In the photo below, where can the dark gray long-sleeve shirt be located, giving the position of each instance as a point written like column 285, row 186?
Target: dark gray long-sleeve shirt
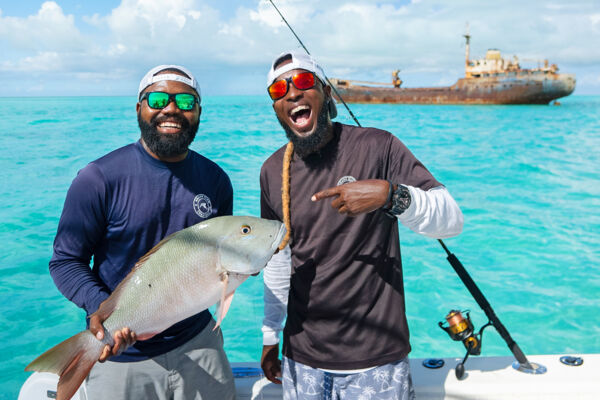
column 346, row 305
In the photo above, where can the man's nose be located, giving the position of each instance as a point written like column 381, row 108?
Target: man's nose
column 294, row 93
column 171, row 107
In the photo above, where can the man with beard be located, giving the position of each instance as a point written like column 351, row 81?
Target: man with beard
column 340, row 278
column 117, row 208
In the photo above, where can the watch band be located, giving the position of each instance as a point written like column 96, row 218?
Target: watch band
column 400, row 201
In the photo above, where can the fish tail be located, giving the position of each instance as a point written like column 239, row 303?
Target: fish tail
column 72, row 360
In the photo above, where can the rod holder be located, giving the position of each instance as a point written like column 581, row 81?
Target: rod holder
column 533, row 368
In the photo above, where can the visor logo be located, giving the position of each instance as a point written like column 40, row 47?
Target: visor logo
column 346, row 179
column 202, row 206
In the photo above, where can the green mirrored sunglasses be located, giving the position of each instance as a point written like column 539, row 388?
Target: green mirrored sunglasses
column 159, row 100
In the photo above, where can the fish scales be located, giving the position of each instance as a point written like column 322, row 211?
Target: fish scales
column 178, row 270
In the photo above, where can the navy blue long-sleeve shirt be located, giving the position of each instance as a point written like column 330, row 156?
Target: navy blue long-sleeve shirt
column 120, row 206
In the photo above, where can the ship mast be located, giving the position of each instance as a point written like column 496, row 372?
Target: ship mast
column 467, row 50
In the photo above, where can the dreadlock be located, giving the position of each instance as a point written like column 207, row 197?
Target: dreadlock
column 285, row 193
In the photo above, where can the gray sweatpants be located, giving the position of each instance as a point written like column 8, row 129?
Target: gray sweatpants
column 387, row 382
column 197, row 370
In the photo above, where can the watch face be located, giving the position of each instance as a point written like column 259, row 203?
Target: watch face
column 404, row 202
column 400, row 200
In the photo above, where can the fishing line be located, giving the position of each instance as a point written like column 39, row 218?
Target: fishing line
column 524, row 364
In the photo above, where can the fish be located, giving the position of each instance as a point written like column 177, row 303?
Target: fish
column 185, row 273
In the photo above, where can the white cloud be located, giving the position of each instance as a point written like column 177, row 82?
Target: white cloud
column 95, row 20
column 49, row 30
column 195, row 14
column 595, row 19
column 266, row 15
column 356, row 39
column 41, row 62
column 117, row 50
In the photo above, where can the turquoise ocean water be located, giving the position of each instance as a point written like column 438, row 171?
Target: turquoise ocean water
column 526, row 177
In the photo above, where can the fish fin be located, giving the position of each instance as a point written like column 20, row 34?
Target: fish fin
column 74, row 375
column 225, row 301
column 223, row 308
column 72, row 360
column 153, row 250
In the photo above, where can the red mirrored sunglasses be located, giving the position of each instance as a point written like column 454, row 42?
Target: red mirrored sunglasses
column 302, row 81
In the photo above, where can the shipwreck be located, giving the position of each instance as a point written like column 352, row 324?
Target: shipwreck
column 490, row 80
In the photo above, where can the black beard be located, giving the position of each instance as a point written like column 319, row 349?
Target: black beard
column 166, row 146
column 304, row 146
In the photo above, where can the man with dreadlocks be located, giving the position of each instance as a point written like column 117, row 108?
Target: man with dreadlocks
column 340, row 277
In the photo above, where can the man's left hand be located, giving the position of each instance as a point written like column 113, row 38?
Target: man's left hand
column 122, row 338
column 357, row 197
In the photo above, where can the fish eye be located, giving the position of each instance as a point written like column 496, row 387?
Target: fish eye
column 245, row 229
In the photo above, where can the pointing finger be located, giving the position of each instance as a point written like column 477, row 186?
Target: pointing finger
column 323, row 194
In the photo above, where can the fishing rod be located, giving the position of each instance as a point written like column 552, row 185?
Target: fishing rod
column 474, row 345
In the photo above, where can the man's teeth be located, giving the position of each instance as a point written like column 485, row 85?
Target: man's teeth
column 169, row 125
column 298, row 109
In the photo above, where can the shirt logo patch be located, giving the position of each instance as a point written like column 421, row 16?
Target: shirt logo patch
column 346, row 179
column 202, row 206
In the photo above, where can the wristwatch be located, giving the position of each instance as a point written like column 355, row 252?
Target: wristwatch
column 400, row 201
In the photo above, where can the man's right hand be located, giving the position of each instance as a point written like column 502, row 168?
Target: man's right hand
column 123, row 338
column 270, row 363
column 356, row 198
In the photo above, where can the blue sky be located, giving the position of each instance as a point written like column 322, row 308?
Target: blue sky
column 69, row 47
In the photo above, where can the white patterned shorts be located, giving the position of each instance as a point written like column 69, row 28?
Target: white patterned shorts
column 387, row 382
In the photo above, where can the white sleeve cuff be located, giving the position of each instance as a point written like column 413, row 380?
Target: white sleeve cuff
column 270, row 336
column 432, row 213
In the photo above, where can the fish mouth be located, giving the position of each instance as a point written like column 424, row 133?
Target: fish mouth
column 280, row 235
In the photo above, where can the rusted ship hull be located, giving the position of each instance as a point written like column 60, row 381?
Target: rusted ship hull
column 527, row 89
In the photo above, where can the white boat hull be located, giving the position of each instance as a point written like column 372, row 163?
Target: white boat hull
column 486, row 378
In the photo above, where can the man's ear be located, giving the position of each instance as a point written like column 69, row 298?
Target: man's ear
column 327, row 91
column 199, row 111
column 328, row 96
column 137, row 108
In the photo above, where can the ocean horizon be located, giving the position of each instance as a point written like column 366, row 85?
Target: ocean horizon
column 526, row 178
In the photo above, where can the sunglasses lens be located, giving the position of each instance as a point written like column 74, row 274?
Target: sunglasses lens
column 185, row 101
column 304, row 80
column 278, row 89
column 158, row 100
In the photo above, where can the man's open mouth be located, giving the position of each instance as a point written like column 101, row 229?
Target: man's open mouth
column 300, row 115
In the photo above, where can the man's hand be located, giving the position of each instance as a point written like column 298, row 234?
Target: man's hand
column 270, row 363
column 357, row 197
column 122, row 338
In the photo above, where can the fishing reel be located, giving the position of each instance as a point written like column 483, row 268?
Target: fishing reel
column 461, row 329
